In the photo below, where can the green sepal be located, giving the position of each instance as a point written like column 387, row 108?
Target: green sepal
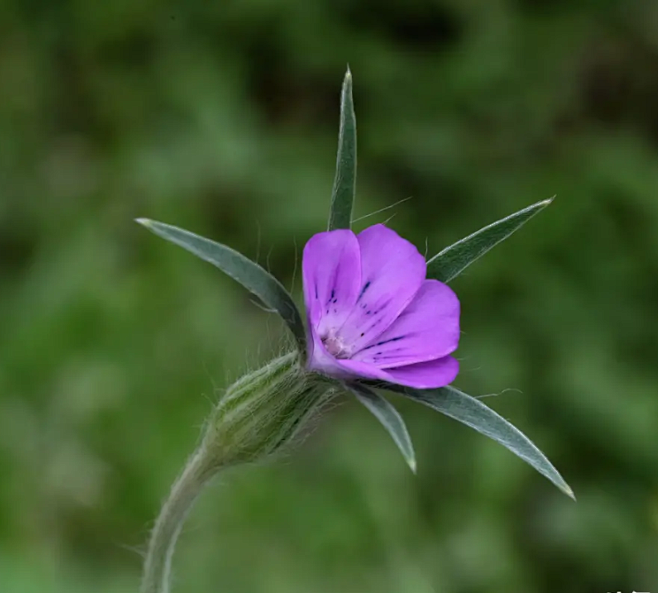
column 452, row 260
column 389, row 417
column 342, row 195
column 248, row 273
column 472, row 412
column 264, row 410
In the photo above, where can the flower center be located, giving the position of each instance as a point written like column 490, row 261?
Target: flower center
column 335, row 345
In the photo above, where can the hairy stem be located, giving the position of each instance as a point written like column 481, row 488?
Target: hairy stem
column 157, row 566
column 256, row 417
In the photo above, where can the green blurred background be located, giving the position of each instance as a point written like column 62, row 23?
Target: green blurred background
column 222, row 117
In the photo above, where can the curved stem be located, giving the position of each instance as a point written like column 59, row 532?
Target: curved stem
column 157, row 566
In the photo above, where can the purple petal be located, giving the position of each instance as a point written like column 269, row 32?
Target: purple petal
column 426, row 375
column 423, row 375
column 427, row 329
column 331, row 268
column 358, row 370
column 392, row 271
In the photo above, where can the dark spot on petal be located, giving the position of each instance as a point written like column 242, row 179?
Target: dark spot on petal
column 363, row 334
column 392, row 353
column 363, row 290
column 395, row 339
column 383, row 306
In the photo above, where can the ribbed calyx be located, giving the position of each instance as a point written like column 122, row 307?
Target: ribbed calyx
column 264, row 410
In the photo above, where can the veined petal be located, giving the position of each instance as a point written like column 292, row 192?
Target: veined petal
column 392, row 271
column 331, row 268
column 426, row 375
column 360, row 370
column 427, row 329
column 423, row 375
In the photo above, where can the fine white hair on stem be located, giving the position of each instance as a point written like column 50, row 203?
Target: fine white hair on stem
column 391, row 217
column 514, row 389
column 139, row 550
column 382, row 209
column 294, row 268
column 215, row 387
column 263, row 307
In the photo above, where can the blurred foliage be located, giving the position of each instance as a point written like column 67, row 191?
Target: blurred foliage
column 222, row 117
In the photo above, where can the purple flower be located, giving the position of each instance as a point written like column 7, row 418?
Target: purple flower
column 372, row 314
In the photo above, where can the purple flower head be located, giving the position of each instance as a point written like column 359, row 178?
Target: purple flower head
column 372, row 314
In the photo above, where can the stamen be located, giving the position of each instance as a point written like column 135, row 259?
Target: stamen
column 335, row 345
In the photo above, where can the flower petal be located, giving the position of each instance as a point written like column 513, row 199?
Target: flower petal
column 426, row 375
column 423, row 375
column 427, row 329
column 392, row 271
column 355, row 369
column 331, row 268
